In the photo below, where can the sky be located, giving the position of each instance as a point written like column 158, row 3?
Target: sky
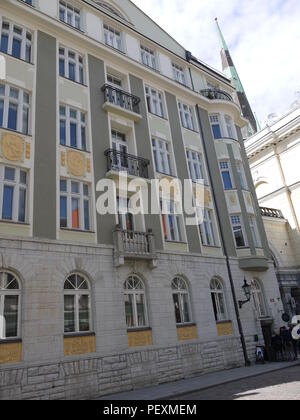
column 263, row 37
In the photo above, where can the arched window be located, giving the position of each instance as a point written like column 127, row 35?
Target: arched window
column 258, row 298
column 10, row 301
column 181, row 301
column 135, row 303
column 77, row 310
column 218, row 300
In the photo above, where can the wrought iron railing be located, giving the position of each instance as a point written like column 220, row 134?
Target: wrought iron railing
column 133, row 165
column 121, row 98
column 276, row 214
column 216, row 94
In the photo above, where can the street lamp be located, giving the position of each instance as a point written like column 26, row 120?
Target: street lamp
column 247, row 292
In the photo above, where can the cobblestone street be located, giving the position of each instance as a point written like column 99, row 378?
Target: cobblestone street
column 280, row 385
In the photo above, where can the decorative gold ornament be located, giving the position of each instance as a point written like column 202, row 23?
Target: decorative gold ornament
column 12, row 147
column 140, row 338
column 76, row 163
column 187, row 333
column 75, row 346
column 88, row 166
column 225, row 329
column 10, row 353
column 63, row 159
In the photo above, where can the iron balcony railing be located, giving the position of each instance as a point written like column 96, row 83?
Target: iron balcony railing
column 276, row 214
column 123, row 162
column 121, row 98
column 216, row 94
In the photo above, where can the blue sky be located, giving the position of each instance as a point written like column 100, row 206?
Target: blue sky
column 263, row 36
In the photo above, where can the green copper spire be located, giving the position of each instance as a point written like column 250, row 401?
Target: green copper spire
column 232, row 74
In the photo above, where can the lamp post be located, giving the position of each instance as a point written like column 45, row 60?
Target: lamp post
column 247, row 292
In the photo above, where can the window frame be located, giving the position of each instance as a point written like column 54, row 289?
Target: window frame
column 155, row 102
column 136, row 292
column 260, row 305
column 179, row 74
column 77, row 292
column 21, row 106
column 78, row 61
column 163, row 156
column 17, row 186
column 207, row 229
column 181, row 292
column 113, row 37
column 238, row 227
column 23, row 38
column 187, row 116
column 150, row 56
column 215, row 120
column 216, row 292
column 173, row 226
column 254, row 231
column 195, row 163
column 10, row 292
column 80, row 124
column 65, row 6
column 226, row 170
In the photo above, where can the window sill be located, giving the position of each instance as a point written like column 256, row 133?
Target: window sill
column 188, row 325
column 10, row 130
column 77, row 230
column 212, row 246
column 176, row 242
column 11, row 222
column 78, row 335
column 73, row 81
column 190, row 129
column 71, row 26
column 10, row 341
column 16, row 58
column 114, row 49
column 224, row 322
column 158, row 116
column 75, row 148
column 133, row 330
column 169, row 175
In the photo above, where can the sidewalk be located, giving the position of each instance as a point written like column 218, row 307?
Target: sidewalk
column 186, row 386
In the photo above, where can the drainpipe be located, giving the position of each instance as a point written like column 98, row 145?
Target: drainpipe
column 236, row 307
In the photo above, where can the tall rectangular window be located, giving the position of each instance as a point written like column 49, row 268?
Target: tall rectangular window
column 74, row 205
column 179, row 74
column 16, row 41
column 162, row 156
column 13, row 190
column 241, row 175
column 71, row 65
column 148, row 57
column 186, row 116
column 207, row 229
column 14, row 108
column 196, row 166
column 238, row 231
column 70, row 15
column 254, row 232
column 230, row 127
column 216, row 127
column 226, row 175
column 171, row 221
column 72, row 127
column 155, row 102
column 112, row 37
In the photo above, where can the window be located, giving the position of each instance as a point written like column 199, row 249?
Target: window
column 113, row 80
column 70, row 15
column 241, row 175
column 120, row 147
column 30, row 2
column 171, row 221
column 77, row 305
column 207, row 229
column 254, row 231
column 196, row 166
column 10, row 303
column 162, row 156
column 72, row 128
column 71, row 65
column 216, row 127
column 181, row 301
column 148, row 57
column 154, row 102
column 229, row 127
column 74, row 205
column 226, row 175
column 218, row 300
column 186, row 116
column 258, row 298
column 238, row 231
column 16, row 41
column 179, row 74
column 13, row 190
column 125, row 218
column 112, row 37
column 14, row 109
column 135, row 303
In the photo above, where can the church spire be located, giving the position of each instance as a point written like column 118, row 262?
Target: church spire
column 231, row 72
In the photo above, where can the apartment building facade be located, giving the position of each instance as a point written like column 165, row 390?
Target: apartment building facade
column 93, row 304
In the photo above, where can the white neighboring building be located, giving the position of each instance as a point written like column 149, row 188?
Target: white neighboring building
column 274, row 155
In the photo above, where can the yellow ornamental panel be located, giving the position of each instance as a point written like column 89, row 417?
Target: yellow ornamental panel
column 187, row 333
column 224, row 329
column 10, row 353
column 75, row 346
column 140, row 338
column 76, row 164
column 27, row 152
column 63, row 159
column 13, row 147
column 88, row 166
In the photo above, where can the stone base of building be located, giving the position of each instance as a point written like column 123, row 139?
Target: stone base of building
column 91, row 377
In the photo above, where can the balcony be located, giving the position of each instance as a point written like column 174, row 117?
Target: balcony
column 216, row 95
column 121, row 102
column 123, row 162
column 273, row 213
column 134, row 246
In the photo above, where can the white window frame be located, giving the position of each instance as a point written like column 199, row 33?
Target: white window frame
column 217, row 289
column 148, row 57
column 115, row 81
column 155, row 102
column 78, row 62
column 80, row 121
column 254, row 231
column 77, row 292
column 180, row 288
column 9, row 292
column 81, row 198
column 17, row 186
column 134, row 292
column 259, row 304
column 196, row 164
column 179, row 74
column 238, row 225
column 241, row 175
column 230, row 127
column 113, row 37
column 207, row 229
column 215, row 119
column 162, row 154
column 225, row 166
column 186, row 116
column 74, row 12
column 26, row 38
column 23, row 106
column 172, row 217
